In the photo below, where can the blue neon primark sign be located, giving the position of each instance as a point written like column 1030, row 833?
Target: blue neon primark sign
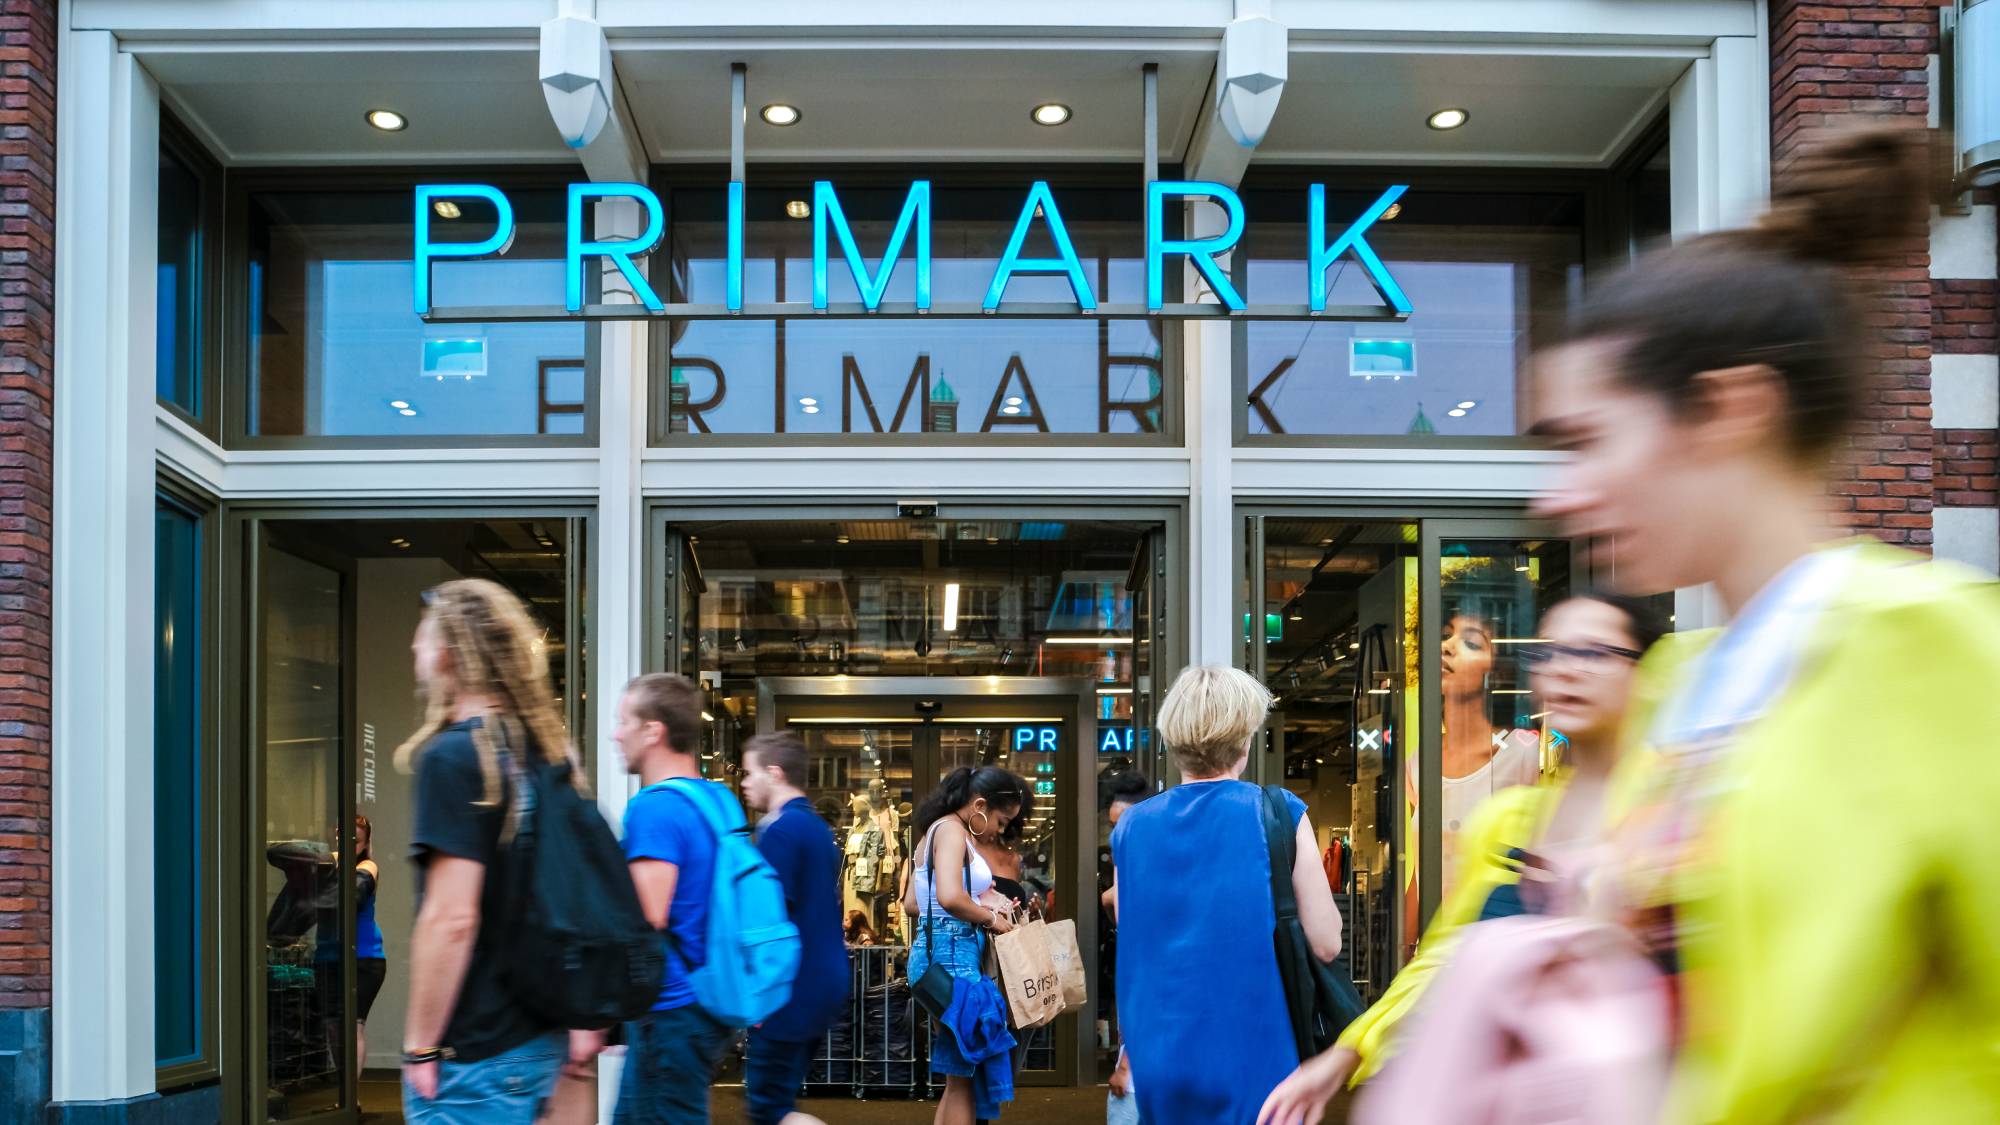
column 831, row 230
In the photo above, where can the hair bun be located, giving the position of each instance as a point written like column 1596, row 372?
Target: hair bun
column 1853, row 196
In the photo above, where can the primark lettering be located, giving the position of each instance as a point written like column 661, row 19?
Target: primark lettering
column 913, row 230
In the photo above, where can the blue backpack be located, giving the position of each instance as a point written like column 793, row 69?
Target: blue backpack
column 753, row 946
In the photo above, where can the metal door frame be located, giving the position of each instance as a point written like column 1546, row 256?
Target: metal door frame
column 961, row 699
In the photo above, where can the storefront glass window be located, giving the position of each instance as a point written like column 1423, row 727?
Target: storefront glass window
column 923, row 376
column 182, row 854
column 336, row 349
column 177, row 354
column 1490, row 276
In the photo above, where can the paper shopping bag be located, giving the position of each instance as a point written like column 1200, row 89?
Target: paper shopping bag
column 1028, row 975
column 1069, row 962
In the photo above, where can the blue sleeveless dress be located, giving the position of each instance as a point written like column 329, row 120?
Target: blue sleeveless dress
column 1199, row 998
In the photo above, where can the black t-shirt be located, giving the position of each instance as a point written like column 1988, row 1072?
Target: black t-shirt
column 451, row 821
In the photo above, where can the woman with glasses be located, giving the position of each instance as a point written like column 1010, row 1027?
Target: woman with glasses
column 1582, row 681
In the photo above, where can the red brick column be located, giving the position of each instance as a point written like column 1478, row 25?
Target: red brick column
column 27, row 377
column 1830, row 60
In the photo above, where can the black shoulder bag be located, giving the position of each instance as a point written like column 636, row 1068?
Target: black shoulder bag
column 1320, row 997
column 933, row 989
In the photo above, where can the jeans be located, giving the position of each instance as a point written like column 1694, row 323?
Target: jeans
column 773, row 1071
column 670, row 1059
column 1121, row 1111
column 507, row 1089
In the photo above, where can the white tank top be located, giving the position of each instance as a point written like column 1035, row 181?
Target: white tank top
column 979, row 877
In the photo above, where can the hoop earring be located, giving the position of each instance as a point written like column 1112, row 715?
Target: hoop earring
column 981, row 831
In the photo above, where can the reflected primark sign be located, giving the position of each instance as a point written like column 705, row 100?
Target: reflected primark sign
column 912, row 231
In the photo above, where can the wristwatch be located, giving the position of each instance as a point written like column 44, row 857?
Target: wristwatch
column 423, row 1055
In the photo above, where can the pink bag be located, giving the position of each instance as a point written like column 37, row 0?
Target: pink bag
column 1535, row 1021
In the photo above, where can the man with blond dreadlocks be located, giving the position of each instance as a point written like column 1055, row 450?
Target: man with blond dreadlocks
column 471, row 1052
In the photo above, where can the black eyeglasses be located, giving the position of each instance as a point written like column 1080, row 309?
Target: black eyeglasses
column 1594, row 660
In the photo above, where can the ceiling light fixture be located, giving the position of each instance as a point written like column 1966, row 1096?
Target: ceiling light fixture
column 1051, row 113
column 1114, row 691
column 951, row 607
column 1087, row 640
column 799, row 209
column 808, row 402
column 841, row 539
column 810, row 409
column 1448, row 119
column 1454, row 413
column 388, row 120
column 406, row 412
column 780, row 114
column 1394, row 210
column 398, row 404
column 1467, row 404
column 446, row 209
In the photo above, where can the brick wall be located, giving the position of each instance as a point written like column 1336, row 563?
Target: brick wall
column 27, row 372
column 1872, row 59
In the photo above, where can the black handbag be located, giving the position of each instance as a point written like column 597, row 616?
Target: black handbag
column 933, row 989
column 1320, row 996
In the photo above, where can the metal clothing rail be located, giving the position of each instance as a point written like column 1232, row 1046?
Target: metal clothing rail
column 881, row 1043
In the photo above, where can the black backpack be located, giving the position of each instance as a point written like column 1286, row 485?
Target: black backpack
column 1320, row 996
column 579, row 952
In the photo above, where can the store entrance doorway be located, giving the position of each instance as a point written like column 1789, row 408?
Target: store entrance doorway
column 879, row 747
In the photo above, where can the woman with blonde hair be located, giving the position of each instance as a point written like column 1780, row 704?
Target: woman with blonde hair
column 1207, row 1030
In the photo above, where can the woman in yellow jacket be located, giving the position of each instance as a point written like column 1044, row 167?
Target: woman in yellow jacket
column 1582, row 679
column 1814, row 835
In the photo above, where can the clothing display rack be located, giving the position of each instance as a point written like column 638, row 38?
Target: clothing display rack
column 879, row 1045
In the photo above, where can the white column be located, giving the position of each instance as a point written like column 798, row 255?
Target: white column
column 1211, row 427
column 102, row 755
column 1719, row 126
column 618, row 564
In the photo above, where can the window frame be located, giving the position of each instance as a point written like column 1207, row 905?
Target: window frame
column 943, row 179
column 244, row 184
column 217, row 893
column 212, row 248
column 1591, row 186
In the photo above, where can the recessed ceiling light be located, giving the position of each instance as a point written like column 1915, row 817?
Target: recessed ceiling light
column 407, row 412
column 808, row 402
column 1454, row 413
column 1467, row 404
column 1394, row 210
column 798, row 209
column 780, row 114
column 811, row 409
column 1297, row 617
column 399, row 404
column 1448, row 118
column 1013, row 400
column 388, row 120
column 446, row 209
column 1051, row 113
column 1010, row 410
column 1352, row 645
column 841, row 539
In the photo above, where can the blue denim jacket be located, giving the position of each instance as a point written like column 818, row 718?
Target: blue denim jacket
column 977, row 1020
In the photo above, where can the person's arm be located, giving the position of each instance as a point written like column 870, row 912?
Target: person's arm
column 655, row 880
column 1109, row 899
column 1317, row 912
column 440, row 949
column 948, row 880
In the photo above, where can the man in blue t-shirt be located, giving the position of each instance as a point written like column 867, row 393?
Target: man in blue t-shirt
column 800, row 847
column 671, row 1053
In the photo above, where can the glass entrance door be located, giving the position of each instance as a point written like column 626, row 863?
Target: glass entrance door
column 879, row 747
column 306, row 963
column 1395, row 651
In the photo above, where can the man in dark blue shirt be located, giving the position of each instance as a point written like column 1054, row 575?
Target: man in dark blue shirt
column 800, row 846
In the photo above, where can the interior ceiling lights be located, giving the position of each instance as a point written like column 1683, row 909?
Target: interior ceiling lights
column 1448, row 119
column 1051, row 113
column 388, row 120
column 798, row 209
column 780, row 114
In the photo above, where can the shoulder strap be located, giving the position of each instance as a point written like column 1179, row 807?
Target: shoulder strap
column 696, row 791
column 1279, row 836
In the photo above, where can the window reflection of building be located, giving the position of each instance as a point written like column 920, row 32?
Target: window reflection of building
column 1067, row 376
